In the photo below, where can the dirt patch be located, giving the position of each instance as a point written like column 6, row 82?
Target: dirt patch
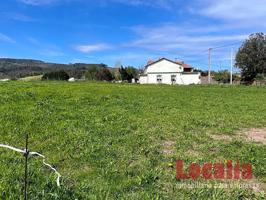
column 258, row 186
column 193, row 153
column 256, row 135
column 214, row 150
column 225, row 138
column 250, row 135
column 168, row 147
column 255, row 185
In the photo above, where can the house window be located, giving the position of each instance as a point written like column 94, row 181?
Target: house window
column 173, row 79
column 159, row 79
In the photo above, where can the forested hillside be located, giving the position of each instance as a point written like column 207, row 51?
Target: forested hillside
column 18, row 68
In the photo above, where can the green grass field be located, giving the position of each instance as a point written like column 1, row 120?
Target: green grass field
column 112, row 141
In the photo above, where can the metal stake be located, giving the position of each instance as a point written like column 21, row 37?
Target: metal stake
column 26, row 170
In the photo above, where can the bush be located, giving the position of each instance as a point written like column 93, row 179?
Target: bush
column 104, row 74
column 260, row 77
column 99, row 74
column 58, row 75
column 222, row 76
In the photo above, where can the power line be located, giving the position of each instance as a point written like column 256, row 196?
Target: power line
column 227, row 45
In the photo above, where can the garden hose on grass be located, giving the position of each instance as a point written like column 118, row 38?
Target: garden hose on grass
column 35, row 154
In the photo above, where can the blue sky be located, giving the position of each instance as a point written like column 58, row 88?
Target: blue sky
column 127, row 31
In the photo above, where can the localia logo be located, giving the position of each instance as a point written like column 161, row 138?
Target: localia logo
column 214, row 171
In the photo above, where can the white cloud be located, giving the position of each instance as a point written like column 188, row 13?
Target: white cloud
column 172, row 38
column 127, row 58
column 34, row 41
column 92, row 47
column 187, row 42
column 78, row 60
column 17, row 16
column 45, row 48
column 165, row 4
column 5, row 38
column 38, row 2
column 234, row 9
column 51, row 52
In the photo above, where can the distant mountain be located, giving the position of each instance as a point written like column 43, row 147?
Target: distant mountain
column 19, row 68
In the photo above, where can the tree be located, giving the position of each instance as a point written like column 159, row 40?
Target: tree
column 99, row 73
column 91, row 72
column 124, row 75
column 128, row 73
column 132, row 73
column 57, row 75
column 104, row 74
column 116, row 74
column 251, row 57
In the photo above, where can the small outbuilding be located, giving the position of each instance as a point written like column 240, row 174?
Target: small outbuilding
column 71, row 79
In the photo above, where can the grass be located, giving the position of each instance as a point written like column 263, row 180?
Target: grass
column 113, row 141
column 31, row 78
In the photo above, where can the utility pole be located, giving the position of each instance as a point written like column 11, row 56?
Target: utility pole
column 232, row 64
column 26, row 170
column 209, row 73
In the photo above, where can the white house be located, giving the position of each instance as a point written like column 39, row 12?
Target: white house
column 165, row 71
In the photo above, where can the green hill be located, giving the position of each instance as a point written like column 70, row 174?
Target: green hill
column 19, row 68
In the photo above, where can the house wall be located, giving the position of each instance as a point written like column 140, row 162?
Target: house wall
column 166, row 78
column 164, row 66
column 181, row 79
column 143, row 79
column 191, row 78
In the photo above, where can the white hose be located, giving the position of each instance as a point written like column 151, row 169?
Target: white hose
column 12, row 148
column 35, row 154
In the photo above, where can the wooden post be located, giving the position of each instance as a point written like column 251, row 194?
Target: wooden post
column 26, row 170
column 3, row 196
column 232, row 65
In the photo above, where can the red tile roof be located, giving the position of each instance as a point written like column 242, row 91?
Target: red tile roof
column 187, row 66
column 184, row 64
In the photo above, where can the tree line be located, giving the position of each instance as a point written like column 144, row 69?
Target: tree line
column 99, row 73
column 103, row 73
